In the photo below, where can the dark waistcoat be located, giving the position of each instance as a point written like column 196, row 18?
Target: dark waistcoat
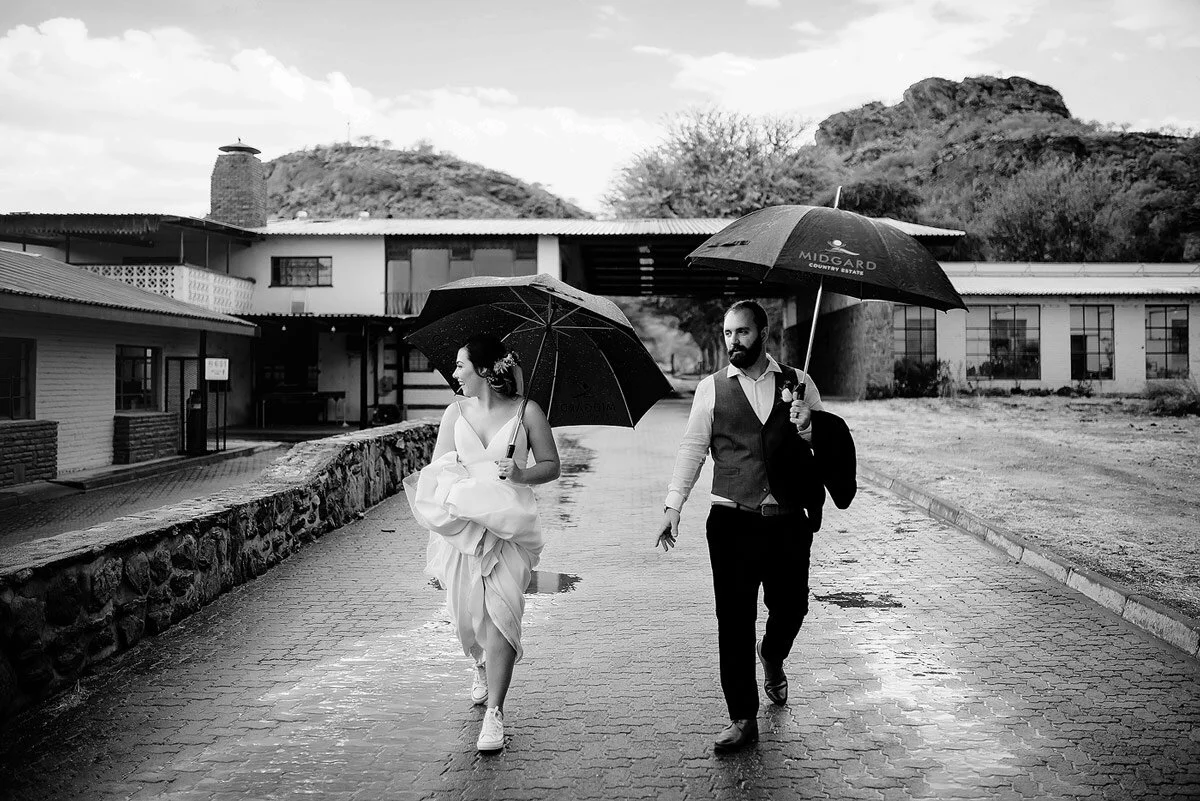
column 753, row 459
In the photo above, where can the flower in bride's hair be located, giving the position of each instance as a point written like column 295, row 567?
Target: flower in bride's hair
column 506, row 363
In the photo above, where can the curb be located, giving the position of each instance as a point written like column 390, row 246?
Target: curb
column 1166, row 624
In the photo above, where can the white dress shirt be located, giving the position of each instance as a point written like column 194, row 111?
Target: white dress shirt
column 697, row 437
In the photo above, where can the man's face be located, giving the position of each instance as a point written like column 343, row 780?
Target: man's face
column 743, row 339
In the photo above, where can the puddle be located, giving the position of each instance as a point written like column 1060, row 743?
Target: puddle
column 860, row 600
column 544, row 583
column 541, row 583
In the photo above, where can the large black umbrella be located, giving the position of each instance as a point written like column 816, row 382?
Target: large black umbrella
column 581, row 360
column 829, row 249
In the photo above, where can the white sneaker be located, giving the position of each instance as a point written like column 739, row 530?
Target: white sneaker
column 479, row 691
column 491, row 735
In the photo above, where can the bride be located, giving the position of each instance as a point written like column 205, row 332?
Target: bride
column 476, row 502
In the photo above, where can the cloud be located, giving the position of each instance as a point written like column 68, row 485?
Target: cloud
column 650, row 50
column 611, row 13
column 133, row 122
column 806, row 27
column 862, row 60
column 1055, row 38
column 1164, row 23
column 763, row 3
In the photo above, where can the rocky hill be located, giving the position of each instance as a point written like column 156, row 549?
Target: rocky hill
column 342, row 180
column 949, row 148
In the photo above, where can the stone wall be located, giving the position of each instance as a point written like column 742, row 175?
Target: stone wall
column 28, row 451
column 70, row 601
column 852, row 352
column 142, row 436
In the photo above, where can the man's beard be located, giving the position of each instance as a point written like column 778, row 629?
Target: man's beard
column 744, row 357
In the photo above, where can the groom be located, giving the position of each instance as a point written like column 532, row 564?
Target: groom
column 773, row 455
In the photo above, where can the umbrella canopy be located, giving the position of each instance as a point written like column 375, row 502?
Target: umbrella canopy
column 838, row 250
column 581, row 360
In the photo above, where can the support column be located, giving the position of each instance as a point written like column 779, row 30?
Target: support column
column 202, row 382
column 364, row 352
column 549, row 260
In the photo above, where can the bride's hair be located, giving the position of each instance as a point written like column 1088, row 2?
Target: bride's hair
column 496, row 363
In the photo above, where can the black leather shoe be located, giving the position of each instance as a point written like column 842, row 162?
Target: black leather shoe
column 775, row 683
column 738, row 734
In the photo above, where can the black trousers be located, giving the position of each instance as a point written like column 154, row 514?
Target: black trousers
column 748, row 550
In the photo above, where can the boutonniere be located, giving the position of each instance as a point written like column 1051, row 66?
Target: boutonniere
column 788, row 393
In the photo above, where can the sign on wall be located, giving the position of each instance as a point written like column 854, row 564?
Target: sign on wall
column 216, row 369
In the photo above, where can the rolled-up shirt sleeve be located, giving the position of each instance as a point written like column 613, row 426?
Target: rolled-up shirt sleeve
column 693, row 448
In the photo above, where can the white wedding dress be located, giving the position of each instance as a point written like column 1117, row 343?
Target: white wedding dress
column 484, row 534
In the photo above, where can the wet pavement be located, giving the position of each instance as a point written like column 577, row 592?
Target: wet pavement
column 931, row 666
column 71, row 510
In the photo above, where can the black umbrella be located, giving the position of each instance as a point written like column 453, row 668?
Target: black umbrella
column 829, row 249
column 580, row 358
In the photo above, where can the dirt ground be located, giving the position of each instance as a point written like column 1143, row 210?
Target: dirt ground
column 1096, row 480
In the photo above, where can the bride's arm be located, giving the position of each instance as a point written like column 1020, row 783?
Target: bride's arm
column 445, row 437
column 541, row 445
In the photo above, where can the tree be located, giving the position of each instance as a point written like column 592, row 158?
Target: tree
column 878, row 196
column 1060, row 211
column 714, row 163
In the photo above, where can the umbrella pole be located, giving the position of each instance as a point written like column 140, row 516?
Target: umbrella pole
column 812, row 333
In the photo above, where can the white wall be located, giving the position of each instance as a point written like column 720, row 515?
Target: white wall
column 75, row 369
column 1129, row 335
column 358, row 274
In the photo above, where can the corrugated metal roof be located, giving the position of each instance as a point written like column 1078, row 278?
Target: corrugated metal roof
column 383, row 318
column 19, row 224
column 922, row 231
column 1081, row 285
column 694, row 226
column 1061, row 278
column 31, row 275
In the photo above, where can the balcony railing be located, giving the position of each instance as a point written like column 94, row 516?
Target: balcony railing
column 406, row 302
column 217, row 292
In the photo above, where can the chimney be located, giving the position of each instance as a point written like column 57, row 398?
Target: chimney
column 239, row 189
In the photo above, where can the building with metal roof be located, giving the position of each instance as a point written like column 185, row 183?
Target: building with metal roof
column 93, row 371
column 32, row 283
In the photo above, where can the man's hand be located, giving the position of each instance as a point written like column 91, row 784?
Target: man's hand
column 800, row 414
column 669, row 529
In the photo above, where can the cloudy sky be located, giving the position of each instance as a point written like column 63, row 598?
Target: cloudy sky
column 120, row 105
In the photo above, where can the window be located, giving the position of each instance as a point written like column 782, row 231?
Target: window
column 301, row 271
column 16, row 379
column 525, row 248
column 1004, row 342
column 914, row 333
column 137, row 378
column 415, row 362
column 1166, row 342
column 1091, row 343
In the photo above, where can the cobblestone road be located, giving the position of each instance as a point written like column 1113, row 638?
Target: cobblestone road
column 930, row 667
column 46, row 518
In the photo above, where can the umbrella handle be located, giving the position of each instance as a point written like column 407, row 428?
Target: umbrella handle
column 512, row 440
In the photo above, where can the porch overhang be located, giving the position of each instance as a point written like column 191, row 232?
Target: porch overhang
column 29, row 304
column 139, row 230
